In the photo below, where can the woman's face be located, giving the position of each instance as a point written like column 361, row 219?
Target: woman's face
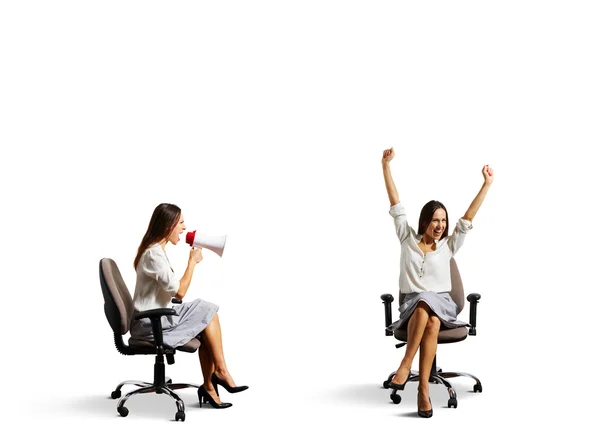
column 437, row 225
column 177, row 230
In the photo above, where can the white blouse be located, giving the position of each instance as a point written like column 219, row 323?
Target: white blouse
column 429, row 272
column 156, row 283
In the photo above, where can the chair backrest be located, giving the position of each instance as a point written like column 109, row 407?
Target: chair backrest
column 458, row 292
column 118, row 304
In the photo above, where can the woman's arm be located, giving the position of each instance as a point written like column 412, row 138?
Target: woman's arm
column 184, row 284
column 392, row 192
column 488, row 177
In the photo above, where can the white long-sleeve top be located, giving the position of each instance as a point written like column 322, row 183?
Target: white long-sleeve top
column 429, row 272
column 156, row 283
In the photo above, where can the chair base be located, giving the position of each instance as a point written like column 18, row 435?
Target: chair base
column 437, row 377
column 148, row 387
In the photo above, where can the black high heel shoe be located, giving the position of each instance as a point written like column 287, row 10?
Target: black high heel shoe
column 204, row 397
column 395, row 386
column 217, row 380
column 426, row 413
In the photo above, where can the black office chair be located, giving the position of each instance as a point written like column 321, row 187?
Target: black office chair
column 118, row 307
column 438, row 376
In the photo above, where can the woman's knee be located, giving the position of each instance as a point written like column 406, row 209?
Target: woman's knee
column 423, row 308
column 433, row 323
column 214, row 322
column 214, row 319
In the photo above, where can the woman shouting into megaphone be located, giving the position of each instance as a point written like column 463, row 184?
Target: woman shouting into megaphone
column 156, row 284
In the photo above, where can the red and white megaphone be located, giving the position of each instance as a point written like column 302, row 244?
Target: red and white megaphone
column 214, row 243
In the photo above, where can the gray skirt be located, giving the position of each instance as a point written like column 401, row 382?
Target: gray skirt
column 440, row 303
column 190, row 320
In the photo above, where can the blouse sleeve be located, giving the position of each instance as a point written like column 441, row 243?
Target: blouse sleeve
column 156, row 266
column 400, row 221
column 456, row 240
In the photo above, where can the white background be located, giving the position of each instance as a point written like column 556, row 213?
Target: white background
column 266, row 121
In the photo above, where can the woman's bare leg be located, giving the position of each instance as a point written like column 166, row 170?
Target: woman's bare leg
column 208, row 366
column 426, row 355
column 212, row 337
column 416, row 327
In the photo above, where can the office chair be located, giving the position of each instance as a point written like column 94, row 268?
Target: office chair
column 438, row 376
column 118, row 307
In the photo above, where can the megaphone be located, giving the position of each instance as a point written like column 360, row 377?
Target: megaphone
column 214, row 243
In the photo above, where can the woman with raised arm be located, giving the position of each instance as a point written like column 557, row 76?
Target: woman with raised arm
column 425, row 278
column 155, row 286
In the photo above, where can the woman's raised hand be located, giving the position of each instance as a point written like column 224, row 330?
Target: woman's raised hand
column 488, row 177
column 196, row 254
column 488, row 174
column 388, row 155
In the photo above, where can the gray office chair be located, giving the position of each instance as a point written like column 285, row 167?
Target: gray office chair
column 118, row 307
column 438, row 376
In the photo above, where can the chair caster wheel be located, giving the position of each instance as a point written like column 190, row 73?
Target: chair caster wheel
column 123, row 411
column 115, row 394
column 452, row 402
column 396, row 399
column 180, row 416
column 386, row 384
column 477, row 388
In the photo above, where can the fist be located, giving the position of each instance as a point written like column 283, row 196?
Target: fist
column 488, row 174
column 196, row 255
column 388, row 155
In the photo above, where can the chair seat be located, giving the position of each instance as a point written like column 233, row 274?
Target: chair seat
column 444, row 336
column 146, row 347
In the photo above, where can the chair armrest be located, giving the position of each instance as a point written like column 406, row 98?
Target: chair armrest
column 155, row 316
column 473, row 299
column 154, row 313
column 387, row 305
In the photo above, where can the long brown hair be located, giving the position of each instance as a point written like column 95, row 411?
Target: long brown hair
column 163, row 221
column 427, row 215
